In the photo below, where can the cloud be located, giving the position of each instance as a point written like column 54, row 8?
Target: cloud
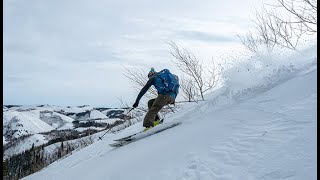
column 205, row 36
column 15, row 79
column 53, row 48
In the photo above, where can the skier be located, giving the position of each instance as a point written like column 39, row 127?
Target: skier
column 167, row 85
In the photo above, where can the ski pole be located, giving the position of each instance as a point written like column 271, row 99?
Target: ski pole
column 171, row 108
column 111, row 128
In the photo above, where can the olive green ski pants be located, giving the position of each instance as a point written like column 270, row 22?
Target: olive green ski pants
column 154, row 106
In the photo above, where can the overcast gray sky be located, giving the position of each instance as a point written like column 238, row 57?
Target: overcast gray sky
column 71, row 52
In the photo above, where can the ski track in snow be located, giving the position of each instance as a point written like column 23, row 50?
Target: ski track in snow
column 240, row 150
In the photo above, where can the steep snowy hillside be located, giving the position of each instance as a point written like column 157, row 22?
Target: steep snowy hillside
column 18, row 123
column 252, row 130
column 27, row 143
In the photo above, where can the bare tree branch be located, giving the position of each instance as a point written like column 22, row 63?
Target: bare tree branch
column 139, row 78
column 191, row 66
column 188, row 64
column 188, row 89
column 272, row 28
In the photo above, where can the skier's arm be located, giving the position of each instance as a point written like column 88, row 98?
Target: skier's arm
column 145, row 89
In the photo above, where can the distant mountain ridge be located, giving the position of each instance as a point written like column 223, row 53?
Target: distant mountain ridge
column 25, row 125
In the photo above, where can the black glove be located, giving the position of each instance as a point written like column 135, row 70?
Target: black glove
column 135, row 104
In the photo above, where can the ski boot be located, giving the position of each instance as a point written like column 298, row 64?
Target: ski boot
column 155, row 123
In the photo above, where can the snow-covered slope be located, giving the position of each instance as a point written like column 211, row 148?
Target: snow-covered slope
column 22, row 123
column 35, row 139
column 262, row 131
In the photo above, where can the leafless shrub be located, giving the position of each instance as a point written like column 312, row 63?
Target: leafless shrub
column 189, row 64
column 249, row 41
column 304, row 14
column 273, row 28
column 187, row 87
column 139, row 78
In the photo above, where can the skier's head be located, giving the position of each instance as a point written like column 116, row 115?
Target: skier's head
column 151, row 72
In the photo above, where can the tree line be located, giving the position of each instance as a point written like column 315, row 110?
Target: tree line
column 34, row 159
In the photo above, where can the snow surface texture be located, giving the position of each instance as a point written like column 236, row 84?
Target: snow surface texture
column 255, row 130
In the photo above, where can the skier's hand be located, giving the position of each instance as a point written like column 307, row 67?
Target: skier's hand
column 135, row 104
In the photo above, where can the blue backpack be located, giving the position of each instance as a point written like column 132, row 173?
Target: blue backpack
column 170, row 82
